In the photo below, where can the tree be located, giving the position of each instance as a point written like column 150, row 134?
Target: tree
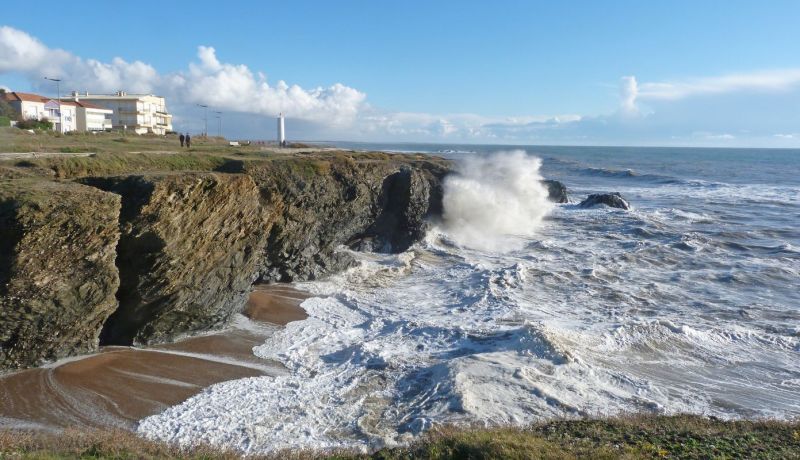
column 5, row 108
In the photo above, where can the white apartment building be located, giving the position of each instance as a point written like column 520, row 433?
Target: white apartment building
column 140, row 113
column 93, row 117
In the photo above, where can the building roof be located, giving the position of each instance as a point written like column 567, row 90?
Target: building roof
column 16, row 96
column 27, row 97
column 63, row 103
column 83, row 104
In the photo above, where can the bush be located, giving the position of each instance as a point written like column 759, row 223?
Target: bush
column 73, row 150
column 35, row 124
column 5, row 121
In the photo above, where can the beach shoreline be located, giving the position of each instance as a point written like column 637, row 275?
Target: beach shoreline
column 118, row 386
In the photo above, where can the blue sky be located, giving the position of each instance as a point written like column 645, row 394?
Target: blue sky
column 626, row 73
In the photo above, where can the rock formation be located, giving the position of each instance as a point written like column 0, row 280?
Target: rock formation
column 189, row 250
column 316, row 205
column 167, row 254
column 613, row 200
column 57, row 274
column 557, row 191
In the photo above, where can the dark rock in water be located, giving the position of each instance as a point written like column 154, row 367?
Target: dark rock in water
column 613, row 200
column 556, row 191
column 57, row 274
column 189, row 250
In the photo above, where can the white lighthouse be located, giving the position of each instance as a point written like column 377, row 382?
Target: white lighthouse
column 281, row 131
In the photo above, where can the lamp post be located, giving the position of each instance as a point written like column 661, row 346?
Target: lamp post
column 205, row 119
column 219, row 123
column 58, row 98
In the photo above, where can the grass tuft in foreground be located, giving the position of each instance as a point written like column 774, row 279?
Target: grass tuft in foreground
column 628, row 438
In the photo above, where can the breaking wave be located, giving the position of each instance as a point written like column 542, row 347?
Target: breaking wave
column 494, row 200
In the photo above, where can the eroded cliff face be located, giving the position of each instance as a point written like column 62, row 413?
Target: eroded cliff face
column 147, row 258
column 316, row 205
column 189, row 248
column 57, row 275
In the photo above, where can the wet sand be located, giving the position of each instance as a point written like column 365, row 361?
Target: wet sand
column 120, row 385
column 275, row 303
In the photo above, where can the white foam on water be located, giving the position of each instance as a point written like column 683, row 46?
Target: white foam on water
column 491, row 199
column 587, row 312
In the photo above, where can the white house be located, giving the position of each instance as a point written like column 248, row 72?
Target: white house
column 140, row 113
column 29, row 106
column 34, row 107
column 67, row 120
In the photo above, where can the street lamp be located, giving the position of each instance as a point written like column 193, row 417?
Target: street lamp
column 219, row 121
column 58, row 98
column 205, row 118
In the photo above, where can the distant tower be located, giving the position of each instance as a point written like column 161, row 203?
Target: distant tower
column 281, row 131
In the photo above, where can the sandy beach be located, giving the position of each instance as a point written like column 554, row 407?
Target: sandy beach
column 119, row 385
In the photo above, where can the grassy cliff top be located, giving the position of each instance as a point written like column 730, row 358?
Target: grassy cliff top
column 630, row 438
column 49, row 154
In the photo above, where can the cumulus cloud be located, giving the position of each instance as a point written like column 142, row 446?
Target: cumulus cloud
column 225, row 86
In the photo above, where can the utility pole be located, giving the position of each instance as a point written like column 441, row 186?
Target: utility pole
column 205, row 119
column 58, row 98
column 219, row 123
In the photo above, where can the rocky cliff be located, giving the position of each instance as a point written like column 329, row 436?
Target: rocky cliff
column 176, row 253
column 189, row 248
column 57, row 272
column 316, row 204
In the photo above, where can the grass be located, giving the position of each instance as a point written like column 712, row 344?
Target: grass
column 632, row 437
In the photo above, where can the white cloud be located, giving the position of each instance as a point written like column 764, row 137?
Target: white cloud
column 713, row 136
column 770, row 80
column 224, row 86
column 629, row 91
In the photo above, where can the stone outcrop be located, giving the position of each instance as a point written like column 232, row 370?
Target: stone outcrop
column 557, row 191
column 148, row 257
column 57, row 274
column 189, row 250
column 613, row 200
column 320, row 203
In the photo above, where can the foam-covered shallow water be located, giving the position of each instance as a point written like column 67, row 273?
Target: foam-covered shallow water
column 687, row 303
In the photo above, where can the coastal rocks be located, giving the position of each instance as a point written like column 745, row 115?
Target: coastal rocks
column 557, row 191
column 57, row 272
column 189, row 250
column 408, row 198
column 147, row 258
column 315, row 205
column 613, row 200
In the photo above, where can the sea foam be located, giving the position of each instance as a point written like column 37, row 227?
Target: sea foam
column 494, row 200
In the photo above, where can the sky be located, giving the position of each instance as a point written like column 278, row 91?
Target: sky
column 678, row 73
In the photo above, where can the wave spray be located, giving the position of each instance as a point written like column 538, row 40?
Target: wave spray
column 492, row 201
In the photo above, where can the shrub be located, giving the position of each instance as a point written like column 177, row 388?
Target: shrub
column 5, row 121
column 73, row 149
column 35, row 124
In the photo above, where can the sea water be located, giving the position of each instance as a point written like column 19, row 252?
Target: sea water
column 515, row 310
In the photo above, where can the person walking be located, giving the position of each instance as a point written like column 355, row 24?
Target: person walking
column 182, row 138
column 188, row 140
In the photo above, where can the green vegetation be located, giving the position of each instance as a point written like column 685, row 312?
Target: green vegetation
column 5, row 121
column 630, row 438
column 6, row 111
column 35, row 124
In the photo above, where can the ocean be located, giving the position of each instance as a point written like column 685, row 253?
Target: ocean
column 514, row 310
